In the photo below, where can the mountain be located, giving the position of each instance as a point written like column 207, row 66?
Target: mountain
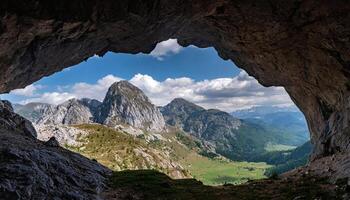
column 120, row 150
column 125, row 103
column 32, row 111
column 258, row 111
column 73, row 111
column 288, row 120
column 176, row 112
column 231, row 137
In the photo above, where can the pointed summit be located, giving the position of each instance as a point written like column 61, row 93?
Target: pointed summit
column 125, row 103
column 178, row 110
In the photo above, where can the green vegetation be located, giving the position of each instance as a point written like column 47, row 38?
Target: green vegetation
column 149, row 184
column 121, row 151
column 278, row 147
column 116, row 150
column 286, row 160
column 218, row 172
column 289, row 165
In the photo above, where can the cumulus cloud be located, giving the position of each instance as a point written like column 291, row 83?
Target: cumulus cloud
column 51, row 98
column 78, row 90
column 27, row 91
column 228, row 94
column 166, row 48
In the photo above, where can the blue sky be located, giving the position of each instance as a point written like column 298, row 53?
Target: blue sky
column 170, row 71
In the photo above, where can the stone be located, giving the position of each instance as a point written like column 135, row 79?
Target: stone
column 14, row 122
column 301, row 45
column 31, row 169
column 52, row 142
column 73, row 111
column 125, row 103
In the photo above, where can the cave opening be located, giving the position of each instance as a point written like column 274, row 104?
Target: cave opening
column 231, row 128
column 302, row 46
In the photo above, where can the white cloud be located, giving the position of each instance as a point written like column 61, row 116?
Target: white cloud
column 78, row 90
column 27, row 91
column 94, row 91
column 166, row 48
column 227, row 94
column 51, row 98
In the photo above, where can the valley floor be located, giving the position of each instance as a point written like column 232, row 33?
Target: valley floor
column 175, row 155
column 218, row 172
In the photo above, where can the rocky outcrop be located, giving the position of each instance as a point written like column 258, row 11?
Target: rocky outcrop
column 32, row 111
column 73, row 111
column 300, row 45
column 11, row 121
column 178, row 110
column 64, row 134
column 215, row 128
column 125, row 103
column 198, row 121
column 31, row 169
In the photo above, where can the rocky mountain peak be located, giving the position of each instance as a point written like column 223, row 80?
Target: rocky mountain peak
column 125, row 103
column 126, row 90
column 73, row 111
column 178, row 110
column 181, row 102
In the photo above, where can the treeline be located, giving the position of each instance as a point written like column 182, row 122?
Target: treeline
column 286, row 160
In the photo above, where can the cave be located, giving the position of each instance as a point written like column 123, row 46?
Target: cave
column 302, row 46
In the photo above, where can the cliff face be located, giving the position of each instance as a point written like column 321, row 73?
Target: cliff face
column 73, row 111
column 301, row 45
column 30, row 168
column 10, row 121
column 125, row 103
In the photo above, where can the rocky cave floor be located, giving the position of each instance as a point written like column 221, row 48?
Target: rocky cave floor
column 146, row 184
column 31, row 169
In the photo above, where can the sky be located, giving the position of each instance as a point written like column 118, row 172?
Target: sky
column 169, row 71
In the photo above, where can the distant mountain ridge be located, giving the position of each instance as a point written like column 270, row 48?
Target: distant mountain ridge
column 288, row 119
column 220, row 132
column 238, row 139
column 124, row 103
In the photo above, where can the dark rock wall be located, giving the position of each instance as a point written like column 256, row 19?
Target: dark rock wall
column 301, row 45
column 11, row 121
column 32, row 169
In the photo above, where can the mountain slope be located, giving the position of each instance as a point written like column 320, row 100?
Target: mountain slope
column 125, row 103
column 288, row 120
column 176, row 112
column 31, row 111
column 73, row 111
column 231, row 137
column 122, row 151
column 286, row 160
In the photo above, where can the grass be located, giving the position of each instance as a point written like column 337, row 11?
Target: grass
column 214, row 171
column 121, row 151
column 150, row 184
column 116, row 151
column 278, row 147
column 218, row 172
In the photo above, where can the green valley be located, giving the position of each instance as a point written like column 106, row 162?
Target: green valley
column 177, row 156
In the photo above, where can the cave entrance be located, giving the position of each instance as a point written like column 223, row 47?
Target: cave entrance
column 222, row 117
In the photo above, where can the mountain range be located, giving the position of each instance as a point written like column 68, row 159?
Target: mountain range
column 242, row 137
column 124, row 104
column 289, row 119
